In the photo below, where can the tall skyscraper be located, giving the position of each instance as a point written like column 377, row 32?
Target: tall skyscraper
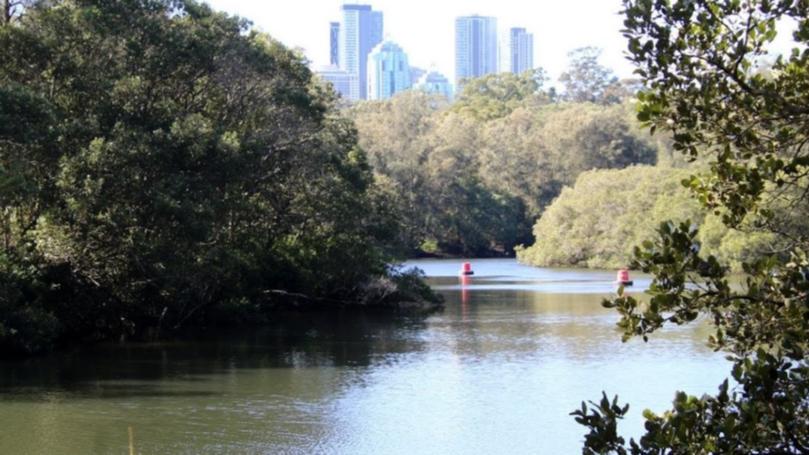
column 334, row 43
column 475, row 47
column 360, row 31
column 521, row 50
column 388, row 71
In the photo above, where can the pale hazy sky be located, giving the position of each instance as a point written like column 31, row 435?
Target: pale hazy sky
column 426, row 28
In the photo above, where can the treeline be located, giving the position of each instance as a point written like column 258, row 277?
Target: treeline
column 564, row 179
column 164, row 166
column 471, row 177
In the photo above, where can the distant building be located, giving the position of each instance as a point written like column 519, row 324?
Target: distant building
column 435, row 82
column 475, row 47
column 388, row 71
column 334, row 43
column 521, row 50
column 360, row 32
column 344, row 82
column 415, row 74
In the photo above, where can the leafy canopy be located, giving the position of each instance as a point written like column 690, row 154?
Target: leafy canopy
column 702, row 63
column 472, row 177
column 587, row 80
column 160, row 160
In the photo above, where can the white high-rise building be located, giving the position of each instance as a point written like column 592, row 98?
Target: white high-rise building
column 360, row 31
column 388, row 71
column 475, row 47
column 521, row 50
column 334, row 43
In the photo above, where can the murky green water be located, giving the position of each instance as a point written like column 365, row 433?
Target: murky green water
column 498, row 371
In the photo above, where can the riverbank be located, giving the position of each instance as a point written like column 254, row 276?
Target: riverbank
column 400, row 292
column 522, row 344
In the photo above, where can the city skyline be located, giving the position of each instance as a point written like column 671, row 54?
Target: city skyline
column 426, row 31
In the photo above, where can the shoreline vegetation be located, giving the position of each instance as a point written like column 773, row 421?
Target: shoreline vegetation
column 162, row 163
column 469, row 178
column 598, row 222
column 164, row 166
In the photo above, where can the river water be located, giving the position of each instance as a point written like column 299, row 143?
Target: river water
column 516, row 349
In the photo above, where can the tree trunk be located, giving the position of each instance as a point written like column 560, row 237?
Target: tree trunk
column 6, row 11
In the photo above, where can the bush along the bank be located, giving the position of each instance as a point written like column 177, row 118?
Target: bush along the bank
column 161, row 163
column 599, row 221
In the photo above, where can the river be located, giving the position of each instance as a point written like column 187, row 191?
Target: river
column 498, row 371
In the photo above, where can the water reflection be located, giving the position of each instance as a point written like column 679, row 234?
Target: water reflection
column 496, row 372
column 466, row 282
column 295, row 341
column 244, row 392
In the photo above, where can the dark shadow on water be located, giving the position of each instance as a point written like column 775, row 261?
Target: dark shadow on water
column 96, row 391
column 300, row 340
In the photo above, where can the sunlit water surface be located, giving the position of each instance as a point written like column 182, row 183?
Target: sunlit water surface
column 498, row 371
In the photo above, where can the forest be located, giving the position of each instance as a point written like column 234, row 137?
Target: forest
column 471, row 177
column 513, row 167
column 162, row 167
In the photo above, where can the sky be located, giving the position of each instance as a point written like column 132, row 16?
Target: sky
column 426, row 28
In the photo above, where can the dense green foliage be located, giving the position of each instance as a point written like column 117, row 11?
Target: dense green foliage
column 598, row 222
column 159, row 162
column 496, row 96
column 699, row 59
column 471, row 178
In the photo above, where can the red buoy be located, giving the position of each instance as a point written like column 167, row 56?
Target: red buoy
column 623, row 277
column 467, row 269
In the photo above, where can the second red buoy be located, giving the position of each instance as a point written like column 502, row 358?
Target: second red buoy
column 623, row 278
column 467, row 269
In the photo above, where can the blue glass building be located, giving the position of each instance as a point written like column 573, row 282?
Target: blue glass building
column 388, row 71
column 521, row 50
column 360, row 32
column 475, row 47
